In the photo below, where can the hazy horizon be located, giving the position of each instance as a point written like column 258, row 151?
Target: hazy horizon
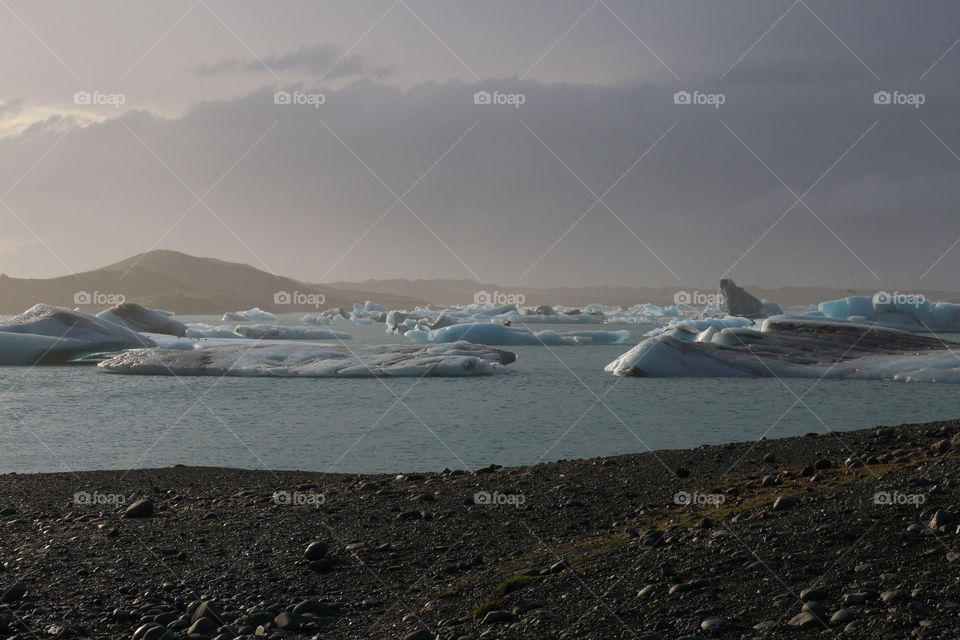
column 593, row 171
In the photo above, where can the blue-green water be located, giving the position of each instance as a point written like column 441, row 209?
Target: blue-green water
column 546, row 408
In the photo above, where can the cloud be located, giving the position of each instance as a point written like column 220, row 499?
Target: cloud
column 325, row 61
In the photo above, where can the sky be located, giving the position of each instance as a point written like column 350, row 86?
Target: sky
column 535, row 143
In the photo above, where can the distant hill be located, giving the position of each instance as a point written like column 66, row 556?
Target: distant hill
column 181, row 283
column 188, row 284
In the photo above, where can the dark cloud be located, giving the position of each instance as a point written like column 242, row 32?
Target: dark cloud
column 325, row 61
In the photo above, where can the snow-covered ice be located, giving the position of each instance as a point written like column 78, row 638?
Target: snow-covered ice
column 45, row 334
column 256, row 314
column 492, row 333
column 315, row 361
column 140, row 318
column 911, row 312
column 793, row 347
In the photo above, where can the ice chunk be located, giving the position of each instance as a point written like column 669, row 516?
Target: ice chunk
column 315, row 319
column 256, row 313
column 736, row 301
column 276, row 332
column 793, row 347
column 315, row 361
column 202, row 330
column 911, row 312
column 140, row 318
column 45, row 334
column 492, row 333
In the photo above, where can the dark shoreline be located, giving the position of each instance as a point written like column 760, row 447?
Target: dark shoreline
column 580, row 539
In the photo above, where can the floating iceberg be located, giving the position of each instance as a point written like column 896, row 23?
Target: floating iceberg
column 315, row 361
column 140, row 318
column 45, row 334
column 256, row 313
column 737, row 301
column 492, row 333
column 277, row 332
column 901, row 311
column 793, row 347
column 315, row 319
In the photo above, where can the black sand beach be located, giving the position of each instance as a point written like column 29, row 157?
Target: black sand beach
column 849, row 535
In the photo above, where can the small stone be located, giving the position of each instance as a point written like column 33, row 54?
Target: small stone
column 842, row 616
column 785, row 502
column 292, row 621
column 713, row 626
column 770, row 457
column 941, row 518
column 420, row 634
column 822, row 464
column 142, row 508
column 206, row 610
column 631, row 532
column 814, row 593
column 314, row 607
column 499, row 616
column 14, row 592
column 204, row 626
column 316, row 550
column 646, row 591
column 682, row 472
column 895, row 595
column 816, row 608
column 804, row 620
column 705, row 523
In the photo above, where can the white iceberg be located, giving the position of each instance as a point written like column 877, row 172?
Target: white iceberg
column 256, row 314
column 315, row 361
column 793, row 347
column 911, row 312
column 278, row 332
column 140, row 318
column 492, row 333
column 737, row 301
column 45, row 334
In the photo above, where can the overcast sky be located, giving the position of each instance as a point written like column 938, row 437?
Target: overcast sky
column 589, row 172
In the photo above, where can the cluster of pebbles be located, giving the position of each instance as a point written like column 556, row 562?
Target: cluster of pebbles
column 851, row 535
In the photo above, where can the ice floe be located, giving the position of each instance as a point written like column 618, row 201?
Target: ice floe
column 315, row 361
column 793, row 347
column 492, row 333
column 45, row 334
column 140, row 318
column 911, row 312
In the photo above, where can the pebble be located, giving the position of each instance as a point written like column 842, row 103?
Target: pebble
column 142, row 508
column 770, row 457
column 841, row 616
column 14, row 592
column 316, row 550
column 498, row 616
column 804, row 620
column 814, row 593
column 785, row 502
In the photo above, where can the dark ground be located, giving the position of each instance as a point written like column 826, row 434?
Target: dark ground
column 598, row 548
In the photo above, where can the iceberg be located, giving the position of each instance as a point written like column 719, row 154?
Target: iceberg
column 492, row 333
column 737, row 301
column 315, row 319
column 910, row 312
column 250, row 314
column 45, row 334
column 793, row 347
column 277, row 332
column 315, row 361
column 140, row 318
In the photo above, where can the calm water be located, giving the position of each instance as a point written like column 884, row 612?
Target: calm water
column 59, row 418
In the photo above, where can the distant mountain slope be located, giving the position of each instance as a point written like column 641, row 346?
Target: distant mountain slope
column 181, row 283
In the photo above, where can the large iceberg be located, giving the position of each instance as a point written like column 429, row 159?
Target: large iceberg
column 315, row 361
column 911, row 312
column 45, row 334
column 492, row 333
column 737, row 301
column 140, row 318
column 793, row 347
